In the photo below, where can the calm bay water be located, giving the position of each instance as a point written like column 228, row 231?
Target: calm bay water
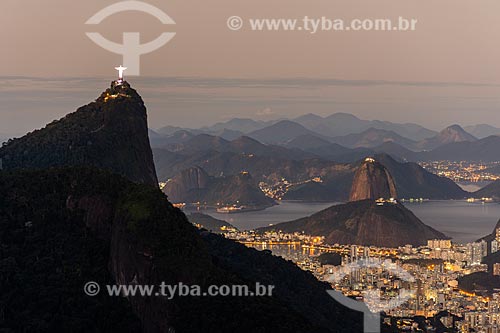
column 463, row 221
column 285, row 211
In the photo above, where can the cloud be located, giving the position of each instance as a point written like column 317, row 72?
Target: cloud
column 265, row 112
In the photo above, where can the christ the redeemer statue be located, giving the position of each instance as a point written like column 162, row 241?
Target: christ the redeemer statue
column 120, row 70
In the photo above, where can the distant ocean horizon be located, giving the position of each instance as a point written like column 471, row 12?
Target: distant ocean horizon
column 464, row 222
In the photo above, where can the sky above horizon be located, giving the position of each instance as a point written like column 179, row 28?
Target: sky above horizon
column 445, row 72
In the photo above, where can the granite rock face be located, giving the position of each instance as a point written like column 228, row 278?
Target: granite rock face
column 372, row 181
column 195, row 185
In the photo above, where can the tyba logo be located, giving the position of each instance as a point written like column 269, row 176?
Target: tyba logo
column 131, row 49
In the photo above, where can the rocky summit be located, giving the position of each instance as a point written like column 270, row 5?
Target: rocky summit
column 110, row 133
column 372, row 181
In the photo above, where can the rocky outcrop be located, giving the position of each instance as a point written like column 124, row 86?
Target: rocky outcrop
column 195, row 185
column 372, row 181
column 183, row 187
column 110, row 133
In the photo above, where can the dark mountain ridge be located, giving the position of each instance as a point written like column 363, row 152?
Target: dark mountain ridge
column 194, row 185
column 413, row 181
column 453, row 143
column 341, row 124
column 240, row 145
column 88, row 225
column 485, row 150
column 364, row 223
column 482, row 131
column 373, row 137
column 282, row 132
column 110, row 133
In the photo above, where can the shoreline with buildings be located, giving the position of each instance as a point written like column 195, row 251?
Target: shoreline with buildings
column 437, row 268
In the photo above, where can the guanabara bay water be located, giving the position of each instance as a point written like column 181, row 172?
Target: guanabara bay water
column 285, row 211
column 463, row 221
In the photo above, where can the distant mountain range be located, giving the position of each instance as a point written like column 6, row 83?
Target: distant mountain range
column 341, row 124
column 270, row 164
column 338, row 124
column 485, row 150
column 482, row 131
column 345, row 138
column 335, row 125
column 238, row 125
column 372, row 138
column 241, row 145
column 281, row 132
column 376, row 139
column 235, row 125
column 452, row 134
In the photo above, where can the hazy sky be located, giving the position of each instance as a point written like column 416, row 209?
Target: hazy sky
column 448, row 71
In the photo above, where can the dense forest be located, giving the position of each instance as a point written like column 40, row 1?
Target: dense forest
column 61, row 228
